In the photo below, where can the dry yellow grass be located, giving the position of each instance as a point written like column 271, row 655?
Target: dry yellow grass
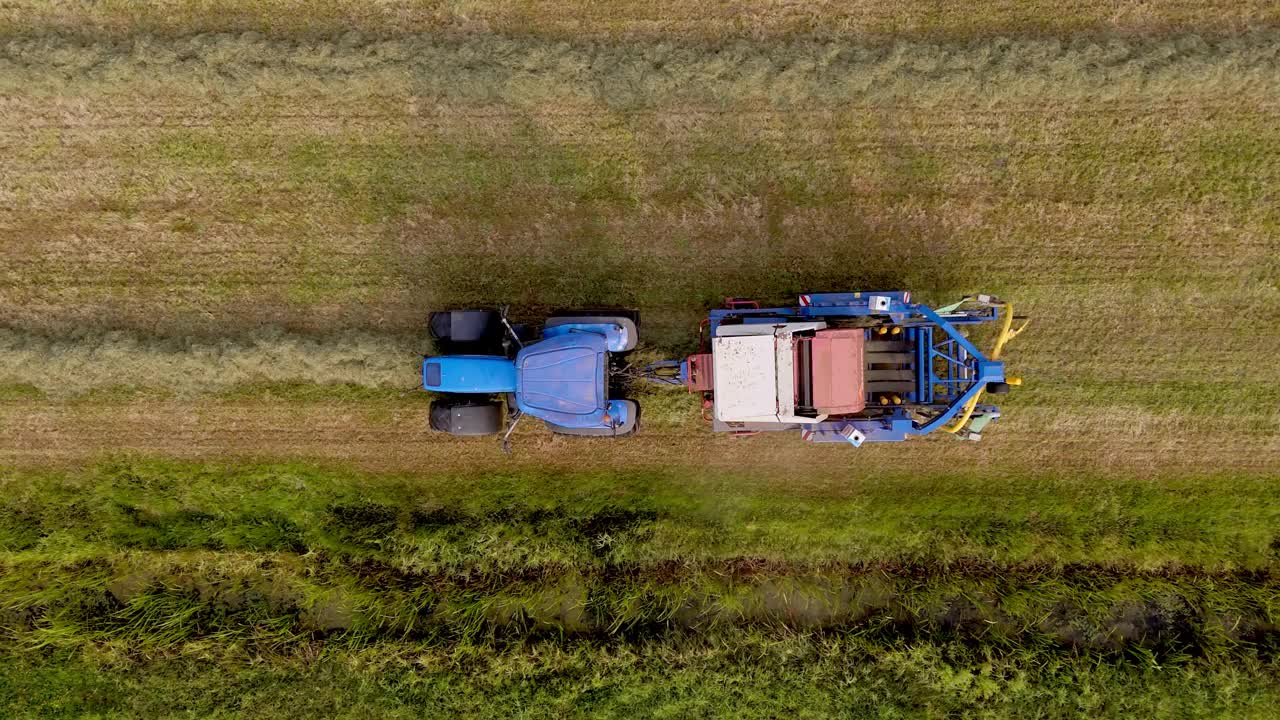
column 187, row 192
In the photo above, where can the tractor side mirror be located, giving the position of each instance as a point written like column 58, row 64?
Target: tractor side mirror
column 511, row 332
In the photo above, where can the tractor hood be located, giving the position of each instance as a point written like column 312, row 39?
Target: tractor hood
column 562, row 379
column 472, row 374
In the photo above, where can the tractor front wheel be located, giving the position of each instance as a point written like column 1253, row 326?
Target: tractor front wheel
column 475, row 332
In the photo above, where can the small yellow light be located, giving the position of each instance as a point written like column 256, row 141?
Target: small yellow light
column 1015, row 381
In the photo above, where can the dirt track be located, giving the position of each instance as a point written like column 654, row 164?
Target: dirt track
column 393, row 436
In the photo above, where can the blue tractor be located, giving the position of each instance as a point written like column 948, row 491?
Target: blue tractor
column 565, row 375
column 838, row 367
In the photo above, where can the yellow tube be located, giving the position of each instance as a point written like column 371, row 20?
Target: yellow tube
column 1006, row 332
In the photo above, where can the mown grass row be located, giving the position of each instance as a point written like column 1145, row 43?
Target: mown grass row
column 107, row 364
column 523, row 71
column 503, row 522
column 663, row 407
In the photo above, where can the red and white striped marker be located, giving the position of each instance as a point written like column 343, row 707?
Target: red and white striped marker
column 805, row 301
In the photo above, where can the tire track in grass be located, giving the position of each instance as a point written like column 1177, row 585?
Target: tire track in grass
column 390, row 433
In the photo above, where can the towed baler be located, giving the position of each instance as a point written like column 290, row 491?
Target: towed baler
column 847, row 367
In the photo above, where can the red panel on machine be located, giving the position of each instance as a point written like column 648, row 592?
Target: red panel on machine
column 838, row 368
column 700, row 375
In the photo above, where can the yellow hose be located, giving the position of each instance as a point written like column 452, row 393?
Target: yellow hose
column 1006, row 333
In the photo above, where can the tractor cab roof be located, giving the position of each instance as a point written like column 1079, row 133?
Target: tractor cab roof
column 563, row 378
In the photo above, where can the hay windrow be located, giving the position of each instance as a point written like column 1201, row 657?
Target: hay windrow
column 533, row 71
column 97, row 360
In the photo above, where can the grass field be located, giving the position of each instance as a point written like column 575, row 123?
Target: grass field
column 222, row 225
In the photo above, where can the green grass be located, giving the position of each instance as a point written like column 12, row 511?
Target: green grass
column 240, row 605
column 191, row 150
column 156, row 558
column 734, row 675
column 504, row 522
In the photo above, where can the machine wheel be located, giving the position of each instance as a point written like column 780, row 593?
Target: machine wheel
column 466, row 331
column 998, row 388
column 602, row 317
column 467, row 417
column 622, row 431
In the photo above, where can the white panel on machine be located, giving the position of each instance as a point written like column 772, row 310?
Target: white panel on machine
column 785, row 382
column 746, row 378
column 767, row 329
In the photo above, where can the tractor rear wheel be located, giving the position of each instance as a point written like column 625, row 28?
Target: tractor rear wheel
column 466, row 417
